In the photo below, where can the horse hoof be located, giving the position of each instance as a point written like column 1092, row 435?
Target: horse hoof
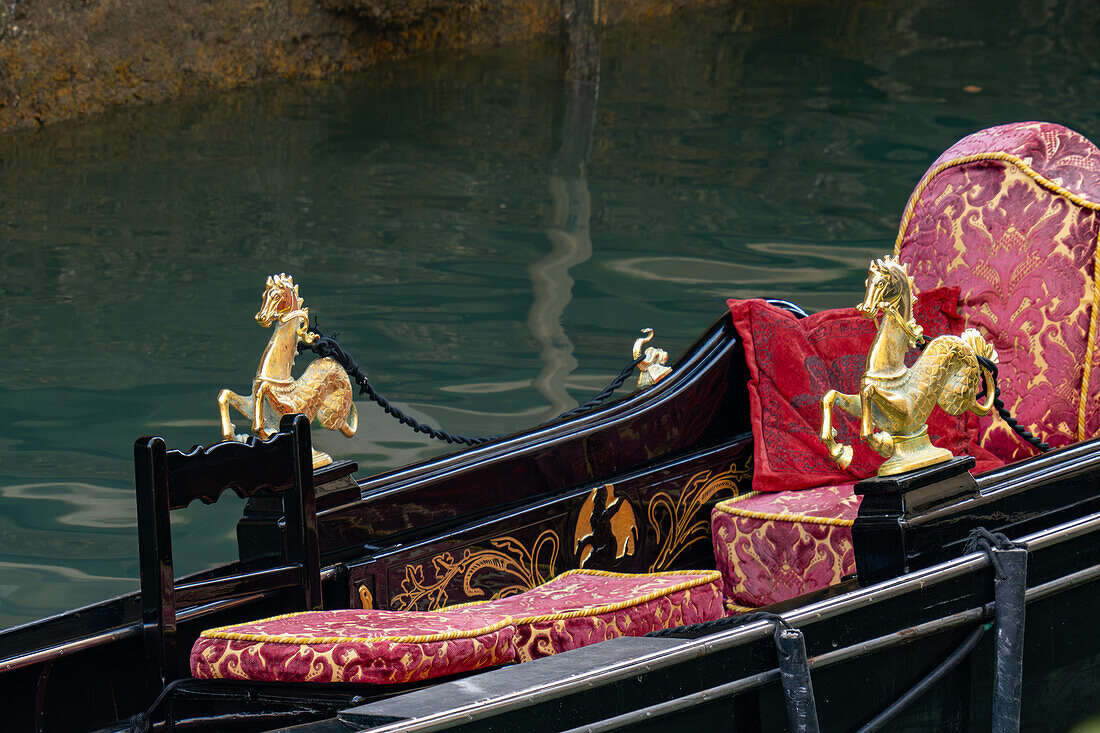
column 844, row 457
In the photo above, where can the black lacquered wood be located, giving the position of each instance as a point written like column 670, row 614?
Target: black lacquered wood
column 168, row 480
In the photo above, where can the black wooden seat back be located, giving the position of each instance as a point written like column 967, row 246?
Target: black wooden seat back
column 168, row 480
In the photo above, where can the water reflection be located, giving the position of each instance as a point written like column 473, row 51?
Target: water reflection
column 740, row 150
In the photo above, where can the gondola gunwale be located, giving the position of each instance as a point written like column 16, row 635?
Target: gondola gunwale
column 804, row 617
column 719, row 335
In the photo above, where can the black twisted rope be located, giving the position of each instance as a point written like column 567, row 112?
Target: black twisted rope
column 990, row 366
column 982, row 539
column 329, row 346
column 142, row 722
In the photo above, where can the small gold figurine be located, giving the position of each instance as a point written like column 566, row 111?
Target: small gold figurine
column 894, row 401
column 652, row 367
column 323, row 391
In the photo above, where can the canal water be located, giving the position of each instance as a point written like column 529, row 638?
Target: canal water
column 486, row 240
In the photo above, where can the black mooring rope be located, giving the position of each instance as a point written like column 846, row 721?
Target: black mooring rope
column 990, row 366
column 142, row 722
column 329, row 346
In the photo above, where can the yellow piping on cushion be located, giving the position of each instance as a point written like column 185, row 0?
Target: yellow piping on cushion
column 703, row 577
column 724, row 506
column 734, row 608
column 218, row 633
column 1090, row 349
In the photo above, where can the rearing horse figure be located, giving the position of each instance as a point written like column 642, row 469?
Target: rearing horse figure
column 894, row 401
column 323, row 391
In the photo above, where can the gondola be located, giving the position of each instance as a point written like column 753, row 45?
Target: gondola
column 966, row 585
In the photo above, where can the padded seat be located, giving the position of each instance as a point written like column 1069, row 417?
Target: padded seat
column 583, row 607
column 575, row 609
column 771, row 546
column 353, row 646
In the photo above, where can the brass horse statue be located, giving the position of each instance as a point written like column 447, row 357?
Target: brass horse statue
column 894, row 401
column 323, row 391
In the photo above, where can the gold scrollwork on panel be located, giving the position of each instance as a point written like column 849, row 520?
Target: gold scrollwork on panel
column 523, row 568
column 674, row 518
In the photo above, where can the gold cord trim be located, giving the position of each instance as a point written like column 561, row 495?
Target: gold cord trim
column 1090, row 348
column 724, row 506
column 218, row 633
column 703, row 577
column 910, row 208
column 910, row 212
column 734, row 608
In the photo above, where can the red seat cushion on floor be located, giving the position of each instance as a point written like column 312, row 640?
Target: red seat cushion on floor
column 1010, row 215
column 771, row 546
column 353, row 646
column 793, row 362
column 582, row 607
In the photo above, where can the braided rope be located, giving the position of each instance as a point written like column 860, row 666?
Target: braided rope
column 329, row 346
column 1090, row 347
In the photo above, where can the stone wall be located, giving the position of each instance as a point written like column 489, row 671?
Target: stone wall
column 61, row 59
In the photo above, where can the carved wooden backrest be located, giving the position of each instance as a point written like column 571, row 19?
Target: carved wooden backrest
column 168, row 480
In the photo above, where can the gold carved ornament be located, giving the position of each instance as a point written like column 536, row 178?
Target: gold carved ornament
column 323, row 391
column 652, row 367
column 894, row 401
column 607, row 530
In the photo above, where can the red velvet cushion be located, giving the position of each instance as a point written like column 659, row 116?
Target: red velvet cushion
column 582, row 607
column 775, row 546
column 792, row 364
column 576, row 608
column 375, row 647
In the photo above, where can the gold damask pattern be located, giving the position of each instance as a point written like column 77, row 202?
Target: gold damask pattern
column 582, row 607
column 575, row 609
column 772, row 546
column 525, row 568
column 676, row 519
column 1009, row 215
column 376, row 647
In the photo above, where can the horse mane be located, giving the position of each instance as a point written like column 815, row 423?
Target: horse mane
column 898, row 274
column 284, row 282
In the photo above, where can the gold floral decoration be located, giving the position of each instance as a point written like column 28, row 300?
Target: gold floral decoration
column 510, row 557
column 675, row 520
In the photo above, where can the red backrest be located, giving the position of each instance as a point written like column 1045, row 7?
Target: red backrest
column 1011, row 215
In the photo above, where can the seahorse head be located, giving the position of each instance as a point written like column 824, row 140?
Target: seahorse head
column 888, row 286
column 280, row 297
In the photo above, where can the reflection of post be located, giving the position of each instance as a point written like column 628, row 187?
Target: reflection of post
column 570, row 240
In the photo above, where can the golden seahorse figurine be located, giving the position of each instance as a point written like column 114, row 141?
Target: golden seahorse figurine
column 652, row 367
column 323, row 391
column 894, row 401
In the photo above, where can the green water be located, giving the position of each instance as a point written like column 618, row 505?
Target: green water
column 424, row 210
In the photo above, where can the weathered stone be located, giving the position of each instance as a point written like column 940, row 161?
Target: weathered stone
column 68, row 58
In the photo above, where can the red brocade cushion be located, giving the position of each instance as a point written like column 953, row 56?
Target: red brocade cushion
column 353, row 646
column 575, row 609
column 793, row 362
column 1010, row 215
column 778, row 545
column 582, row 607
